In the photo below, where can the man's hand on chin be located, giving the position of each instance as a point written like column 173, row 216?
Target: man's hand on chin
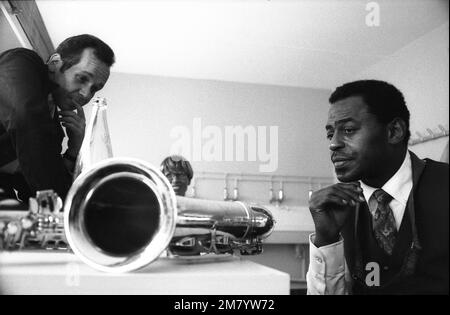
column 75, row 124
column 330, row 207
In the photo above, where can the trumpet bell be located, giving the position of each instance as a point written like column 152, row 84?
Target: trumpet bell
column 120, row 215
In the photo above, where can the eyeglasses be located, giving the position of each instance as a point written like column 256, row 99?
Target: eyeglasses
column 172, row 176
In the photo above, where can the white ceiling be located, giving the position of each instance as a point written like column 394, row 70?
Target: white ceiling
column 293, row 43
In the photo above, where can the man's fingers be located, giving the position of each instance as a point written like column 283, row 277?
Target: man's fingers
column 69, row 113
column 73, row 128
column 346, row 197
column 353, row 188
column 72, row 120
column 336, row 202
column 80, row 111
column 355, row 193
column 351, row 185
column 333, row 196
column 69, row 125
column 340, row 200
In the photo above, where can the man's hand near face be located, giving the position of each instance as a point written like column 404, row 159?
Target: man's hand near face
column 330, row 208
column 75, row 124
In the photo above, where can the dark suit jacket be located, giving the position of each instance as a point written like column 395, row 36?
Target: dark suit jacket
column 428, row 206
column 27, row 131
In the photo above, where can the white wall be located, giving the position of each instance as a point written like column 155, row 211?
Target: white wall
column 421, row 71
column 144, row 109
column 433, row 149
column 8, row 39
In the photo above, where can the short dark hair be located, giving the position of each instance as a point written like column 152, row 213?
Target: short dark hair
column 178, row 163
column 384, row 100
column 71, row 49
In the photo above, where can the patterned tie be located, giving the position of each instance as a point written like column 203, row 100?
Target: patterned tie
column 383, row 222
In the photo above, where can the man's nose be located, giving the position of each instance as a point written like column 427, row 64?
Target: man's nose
column 336, row 142
column 86, row 93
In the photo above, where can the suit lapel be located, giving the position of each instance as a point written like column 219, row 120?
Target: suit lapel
column 408, row 232
column 349, row 233
column 418, row 166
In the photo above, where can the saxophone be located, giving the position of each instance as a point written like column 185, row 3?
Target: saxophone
column 122, row 214
column 40, row 226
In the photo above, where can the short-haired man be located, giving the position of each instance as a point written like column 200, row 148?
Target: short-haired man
column 31, row 92
column 384, row 228
column 179, row 172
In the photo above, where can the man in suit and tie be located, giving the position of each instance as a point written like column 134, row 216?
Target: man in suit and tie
column 383, row 229
column 36, row 98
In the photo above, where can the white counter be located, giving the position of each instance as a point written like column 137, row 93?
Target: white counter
column 64, row 273
column 293, row 225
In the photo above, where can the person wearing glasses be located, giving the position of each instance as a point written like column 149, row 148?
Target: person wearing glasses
column 179, row 172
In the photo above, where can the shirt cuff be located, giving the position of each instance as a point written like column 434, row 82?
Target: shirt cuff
column 327, row 260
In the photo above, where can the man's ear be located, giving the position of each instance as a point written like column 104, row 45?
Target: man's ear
column 396, row 131
column 54, row 62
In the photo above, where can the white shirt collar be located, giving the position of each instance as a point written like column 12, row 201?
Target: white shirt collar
column 398, row 186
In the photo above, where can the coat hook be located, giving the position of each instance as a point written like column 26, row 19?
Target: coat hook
column 444, row 131
column 310, row 188
column 225, row 189
column 272, row 198
column 419, row 135
column 281, row 193
column 235, row 190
